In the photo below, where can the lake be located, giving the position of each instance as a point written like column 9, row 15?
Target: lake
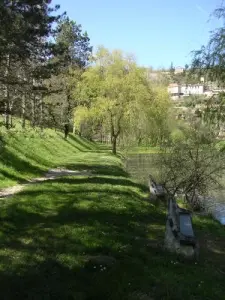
column 139, row 166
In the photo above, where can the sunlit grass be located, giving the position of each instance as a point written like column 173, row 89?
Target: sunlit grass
column 51, row 233
column 142, row 150
column 28, row 154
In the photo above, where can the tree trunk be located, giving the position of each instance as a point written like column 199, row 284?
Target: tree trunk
column 33, row 105
column 23, row 118
column 114, row 133
column 41, row 114
column 74, row 129
column 114, row 144
column 7, row 110
column 139, row 141
column 7, row 100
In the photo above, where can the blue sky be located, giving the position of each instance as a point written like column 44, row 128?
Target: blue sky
column 157, row 32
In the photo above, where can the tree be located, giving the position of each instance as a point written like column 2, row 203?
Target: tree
column 210, row 59
column 118, row 95
column 150, row 120
column 172, row 69
column 191, row 164
column 25, row 48
column 72, row 58
column 210, row 62
column 109, row 86
column 74, row 44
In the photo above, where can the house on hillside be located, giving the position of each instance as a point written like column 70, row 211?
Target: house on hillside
column 181, row 90
column 178, row 70
column 192, row 89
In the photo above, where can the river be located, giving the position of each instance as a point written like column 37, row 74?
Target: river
column 139, row 166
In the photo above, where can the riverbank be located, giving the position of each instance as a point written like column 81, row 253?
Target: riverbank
column 140, row 165
column 142, row 150
column 99, row 237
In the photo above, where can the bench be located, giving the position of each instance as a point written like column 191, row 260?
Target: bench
column 180, row 237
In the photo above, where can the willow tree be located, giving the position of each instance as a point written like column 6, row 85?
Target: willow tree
column 209, row 61
column 151, row 117
column 114, row 89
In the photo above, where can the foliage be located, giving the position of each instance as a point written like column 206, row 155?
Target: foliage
column 74, row 44
column 25, row 50
column 71, row 60
column 24, row 24
column 42, row 55
column 210, row 59
column 185, row 77
column 210, row 62
column 191, row 164
column 120, row 99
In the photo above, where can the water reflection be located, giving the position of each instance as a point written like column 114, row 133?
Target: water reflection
column 139, row 166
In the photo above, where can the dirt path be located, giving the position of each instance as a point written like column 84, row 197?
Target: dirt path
column 50, row 175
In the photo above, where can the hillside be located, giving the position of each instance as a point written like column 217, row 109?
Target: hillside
column 92, row 237
column 28, row 154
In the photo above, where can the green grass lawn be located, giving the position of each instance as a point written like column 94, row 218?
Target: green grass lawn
column 142, row 150
column 96, row 237
column 28, row 154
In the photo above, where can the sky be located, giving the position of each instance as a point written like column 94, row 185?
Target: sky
column 157, row 32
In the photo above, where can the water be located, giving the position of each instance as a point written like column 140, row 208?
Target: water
column 139, row 166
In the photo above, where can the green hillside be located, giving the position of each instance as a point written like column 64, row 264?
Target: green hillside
column 92, row 237
column 24, row 155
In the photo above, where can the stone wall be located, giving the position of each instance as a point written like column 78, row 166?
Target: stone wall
column 179, row 236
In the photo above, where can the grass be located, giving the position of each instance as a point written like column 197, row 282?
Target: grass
column 143, row 150
column 51, row 233
column 28, row 154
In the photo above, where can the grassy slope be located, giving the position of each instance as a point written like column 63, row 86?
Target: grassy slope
column 49, row 231
column 24, row 155
column 142, row 150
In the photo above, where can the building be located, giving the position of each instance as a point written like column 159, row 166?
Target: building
column 183, row 90
column 174, row 89
column 178, row 70
column 192, row 89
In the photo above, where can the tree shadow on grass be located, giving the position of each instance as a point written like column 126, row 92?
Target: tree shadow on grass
column 21, row 166
column 114, row 181
column 46, row 247
column 75, row 146
column 9, row 175
column 49, row 279
column 110, row 170
column 45, row 250
column 34, row 157
column 54, row 277
column 86, row 144
column 83, row 148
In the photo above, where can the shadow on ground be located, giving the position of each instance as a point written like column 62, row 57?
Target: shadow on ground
column 51, row 232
